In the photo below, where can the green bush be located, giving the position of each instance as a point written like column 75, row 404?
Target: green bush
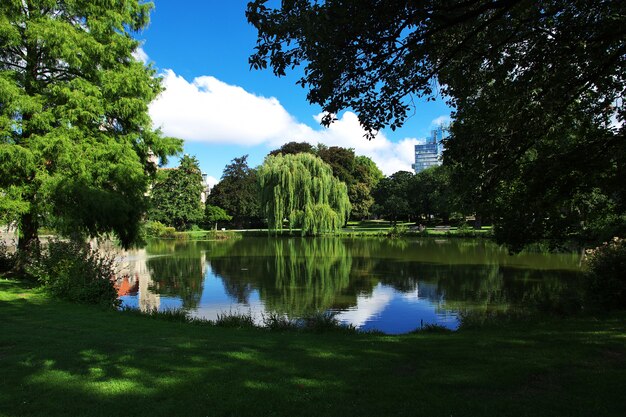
column 324, row 322
column 74, row 272
column 7, row 257
column 158, row 229
column 279, row 322
column 398, row 231
column 235, row 320
column 606, row 275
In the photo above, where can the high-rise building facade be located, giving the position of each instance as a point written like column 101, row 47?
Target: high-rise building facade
column 429, row 154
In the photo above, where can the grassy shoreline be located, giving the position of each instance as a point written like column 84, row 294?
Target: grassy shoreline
column 64, row 359
column 353, row 229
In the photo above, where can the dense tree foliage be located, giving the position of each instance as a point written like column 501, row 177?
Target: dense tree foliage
column 431, row 194
column 176, row 196
column 238, row 193
column 537, row 87
column 392, row 196
column 359, row 173
column 75, row 135
column 302, row 189
column 366, row 175
column 292, row 148
column 341, row 160
column 366, row 171
column 215, row 214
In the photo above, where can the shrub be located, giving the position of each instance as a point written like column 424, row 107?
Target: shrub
column 158, row 229
column 7, row 257
column 276, row 321
column 235, row 320
column 606, row 274
column 74, row 272
column 398, row 231
column 154, row 228
column 324, row 322
column 464, row 228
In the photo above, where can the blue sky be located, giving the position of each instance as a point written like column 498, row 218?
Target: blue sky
column 223, row 110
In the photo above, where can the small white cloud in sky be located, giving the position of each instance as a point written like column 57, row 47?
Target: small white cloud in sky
column 140, row 55
column 211, row 111
column 441, row 120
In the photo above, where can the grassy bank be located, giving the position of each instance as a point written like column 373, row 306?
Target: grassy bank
column 369, row 228
column 63, row 359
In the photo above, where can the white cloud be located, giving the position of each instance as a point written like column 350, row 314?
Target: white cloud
column 211, row 111
column 211, row 181
column 441, row 120
column 140, row 55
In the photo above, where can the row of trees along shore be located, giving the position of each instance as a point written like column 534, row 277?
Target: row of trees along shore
column 315, row 188
column 536, row 144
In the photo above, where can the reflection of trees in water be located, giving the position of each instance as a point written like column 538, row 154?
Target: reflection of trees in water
column 178, row 276
column 293, row 276
column 301, row 275
column 309, row 274
column 480, row 286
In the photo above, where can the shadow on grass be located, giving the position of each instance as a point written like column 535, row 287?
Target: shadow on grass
column 62, row 359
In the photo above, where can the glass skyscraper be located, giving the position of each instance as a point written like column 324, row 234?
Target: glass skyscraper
column 429, row 154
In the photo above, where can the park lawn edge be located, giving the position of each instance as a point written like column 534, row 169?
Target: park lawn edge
column 65, row 359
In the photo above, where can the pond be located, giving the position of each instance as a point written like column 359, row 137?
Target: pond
column 391, row 285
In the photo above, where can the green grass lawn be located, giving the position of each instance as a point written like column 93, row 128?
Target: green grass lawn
column 59, row 359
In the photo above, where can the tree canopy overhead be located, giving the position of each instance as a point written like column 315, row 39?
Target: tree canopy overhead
column 537, row 88
column 374, row 55
column 76, row 139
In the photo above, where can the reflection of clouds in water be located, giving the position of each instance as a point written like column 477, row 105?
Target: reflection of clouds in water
column 411, row 297
column 256, row 310
column 367, row 306
column 423, row 292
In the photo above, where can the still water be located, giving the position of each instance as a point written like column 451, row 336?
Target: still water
column 390, row 285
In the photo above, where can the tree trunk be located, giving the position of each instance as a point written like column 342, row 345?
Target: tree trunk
column 27, row 243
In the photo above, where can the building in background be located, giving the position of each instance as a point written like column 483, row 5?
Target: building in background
column 429, row 154
column 206, row 190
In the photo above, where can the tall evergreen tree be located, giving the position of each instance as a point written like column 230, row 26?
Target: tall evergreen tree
column 75, row 136
column 302, row 189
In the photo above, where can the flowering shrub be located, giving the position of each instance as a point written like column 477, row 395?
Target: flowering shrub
column 606, row 275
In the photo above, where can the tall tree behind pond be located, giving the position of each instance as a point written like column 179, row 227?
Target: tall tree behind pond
column 76, row 140
column 176, row 195
column 302, row 189
column 238, row 193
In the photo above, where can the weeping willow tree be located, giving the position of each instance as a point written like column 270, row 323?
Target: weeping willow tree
column 302, row 189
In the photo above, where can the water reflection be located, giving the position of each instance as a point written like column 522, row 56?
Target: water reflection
column 390, row 285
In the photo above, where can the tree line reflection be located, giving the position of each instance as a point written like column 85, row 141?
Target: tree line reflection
column 298, row 276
